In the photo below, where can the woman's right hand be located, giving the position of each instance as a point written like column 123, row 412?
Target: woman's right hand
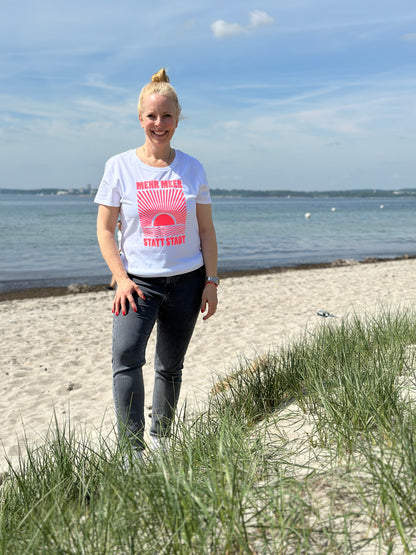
column 125, row 296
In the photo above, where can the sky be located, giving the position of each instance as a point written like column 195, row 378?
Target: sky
column 296, row 94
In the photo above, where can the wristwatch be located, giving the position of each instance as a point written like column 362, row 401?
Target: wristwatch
column 213, row 279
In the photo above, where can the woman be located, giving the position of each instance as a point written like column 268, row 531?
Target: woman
column 167, row 271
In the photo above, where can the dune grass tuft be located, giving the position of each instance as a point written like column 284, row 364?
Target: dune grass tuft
column 232, row 482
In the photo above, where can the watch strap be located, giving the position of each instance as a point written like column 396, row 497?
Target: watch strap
column 212, row 279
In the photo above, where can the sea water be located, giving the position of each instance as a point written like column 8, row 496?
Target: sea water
column 51, row 240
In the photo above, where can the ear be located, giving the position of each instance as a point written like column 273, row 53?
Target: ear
column 140, row 119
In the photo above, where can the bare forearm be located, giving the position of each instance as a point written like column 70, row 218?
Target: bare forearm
column 110, row 252
column 126, row 288
column 209, row 251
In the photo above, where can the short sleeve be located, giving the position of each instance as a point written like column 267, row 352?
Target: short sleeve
column 204, row 195
column 108, row 191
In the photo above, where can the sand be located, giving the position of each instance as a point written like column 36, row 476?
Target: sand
column 56, row 351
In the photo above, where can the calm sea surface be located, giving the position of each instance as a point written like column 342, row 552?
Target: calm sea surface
column 51, row 240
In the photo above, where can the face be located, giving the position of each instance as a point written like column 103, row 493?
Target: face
column 159, row 118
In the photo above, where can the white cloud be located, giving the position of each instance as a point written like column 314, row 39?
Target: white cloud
column 223, row 29
column 260, row 19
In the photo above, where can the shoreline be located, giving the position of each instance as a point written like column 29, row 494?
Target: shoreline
column 77, row 288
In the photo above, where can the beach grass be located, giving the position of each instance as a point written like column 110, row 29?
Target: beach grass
column 309, row 449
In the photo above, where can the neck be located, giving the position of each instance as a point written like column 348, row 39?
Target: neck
column 155, row 156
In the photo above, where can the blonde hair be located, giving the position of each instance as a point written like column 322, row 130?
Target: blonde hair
column 159, row 84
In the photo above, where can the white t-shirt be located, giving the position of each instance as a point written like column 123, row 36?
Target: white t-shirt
column 160, row 235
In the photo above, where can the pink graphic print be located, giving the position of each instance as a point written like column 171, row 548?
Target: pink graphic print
column 162, row 212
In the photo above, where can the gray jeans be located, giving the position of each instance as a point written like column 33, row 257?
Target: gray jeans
column 174, row 303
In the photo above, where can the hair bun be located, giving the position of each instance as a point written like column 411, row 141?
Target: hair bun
column 159, row 85
column 160, row 76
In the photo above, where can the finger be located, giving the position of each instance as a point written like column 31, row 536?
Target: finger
column 212, row 309
column 116, row 305
column 132, row 302
column 140, row 293
column 131, row 298
column 123, row 306
column 207, row 315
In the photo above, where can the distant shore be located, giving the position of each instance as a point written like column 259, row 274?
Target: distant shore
column 89, row 191
column 75, row 288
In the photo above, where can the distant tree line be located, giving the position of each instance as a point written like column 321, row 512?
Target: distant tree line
column 275, row 193
column 282, row 193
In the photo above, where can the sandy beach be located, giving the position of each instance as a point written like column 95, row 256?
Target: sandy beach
column 56, row 351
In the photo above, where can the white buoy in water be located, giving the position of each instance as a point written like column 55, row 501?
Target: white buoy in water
column 381, row 206
column 307, row 215
column 333, row 209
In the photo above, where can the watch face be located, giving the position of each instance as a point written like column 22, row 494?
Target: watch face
column 213, row 280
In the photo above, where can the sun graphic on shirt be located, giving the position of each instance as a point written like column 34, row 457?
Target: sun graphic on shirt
column 162, row 212
column 163, row 219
